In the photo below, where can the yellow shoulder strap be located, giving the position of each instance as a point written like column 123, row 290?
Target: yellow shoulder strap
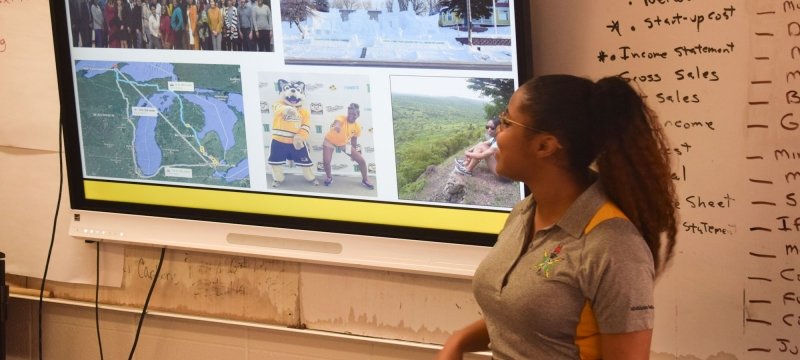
column 607, row 211
column 587, row 335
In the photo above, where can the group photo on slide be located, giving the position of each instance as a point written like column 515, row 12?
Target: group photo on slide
column 212, row 25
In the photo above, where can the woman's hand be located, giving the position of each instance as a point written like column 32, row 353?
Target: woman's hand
column 473, row 337
column 449, row 353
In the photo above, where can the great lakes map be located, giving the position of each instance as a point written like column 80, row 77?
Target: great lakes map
column 162, row 122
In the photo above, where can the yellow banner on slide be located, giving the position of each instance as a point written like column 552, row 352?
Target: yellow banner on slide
column 439, row 218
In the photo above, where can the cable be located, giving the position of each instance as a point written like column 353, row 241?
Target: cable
column 52, row 235
column 97, row 300
column 146, row 302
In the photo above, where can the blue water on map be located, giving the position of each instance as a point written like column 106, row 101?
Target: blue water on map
column 94, row 68
column 235, row 101
column 219, row 118
column 220, row 114
column 239, row 172
column 163, row 100
column 141, row 72
column 148, row 154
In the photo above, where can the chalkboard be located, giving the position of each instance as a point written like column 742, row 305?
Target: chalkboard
column 724, row 78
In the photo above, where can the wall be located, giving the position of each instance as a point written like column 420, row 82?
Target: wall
column 169, row 338
column 730, row 292
column 207, row 305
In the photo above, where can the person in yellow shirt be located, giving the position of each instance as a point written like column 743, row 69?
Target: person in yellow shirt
column 215, row 23
column 344, row 130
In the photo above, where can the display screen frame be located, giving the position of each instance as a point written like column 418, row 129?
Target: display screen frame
column 78, row 185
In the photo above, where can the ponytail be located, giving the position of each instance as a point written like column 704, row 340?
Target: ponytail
column 633, row 164
column 607, row 122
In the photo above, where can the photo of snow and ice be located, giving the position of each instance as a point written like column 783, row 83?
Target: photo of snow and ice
column 445, row 140
column 398, row 33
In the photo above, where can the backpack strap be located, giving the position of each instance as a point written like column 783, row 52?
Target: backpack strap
column 587, row 335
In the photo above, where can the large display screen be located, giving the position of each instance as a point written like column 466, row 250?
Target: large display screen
column 330, row 115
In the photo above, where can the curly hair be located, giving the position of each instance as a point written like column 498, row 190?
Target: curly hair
column 607, row 123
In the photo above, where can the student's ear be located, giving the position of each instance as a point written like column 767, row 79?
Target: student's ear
column 546, row 145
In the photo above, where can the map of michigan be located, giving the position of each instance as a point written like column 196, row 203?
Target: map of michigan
column 163, row 122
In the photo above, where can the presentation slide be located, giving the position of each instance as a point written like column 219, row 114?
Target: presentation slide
column 359, row 111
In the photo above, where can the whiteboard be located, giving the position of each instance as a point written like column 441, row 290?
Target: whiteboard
column 722, row 76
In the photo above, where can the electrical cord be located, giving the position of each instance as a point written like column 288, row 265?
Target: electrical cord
column 146, row 303
column 97, row 299
column 52, row 235
column 97, row 287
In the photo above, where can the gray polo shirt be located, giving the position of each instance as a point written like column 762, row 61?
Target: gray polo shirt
column 532, row 293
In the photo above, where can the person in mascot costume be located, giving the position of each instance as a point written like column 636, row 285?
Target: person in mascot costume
column 291, row 124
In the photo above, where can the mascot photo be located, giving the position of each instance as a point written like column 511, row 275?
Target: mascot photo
column 291, row 124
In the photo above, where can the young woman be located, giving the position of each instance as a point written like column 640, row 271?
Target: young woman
column 178, row 25
column 262, row 26
column 231, row 25
column 166, row 29
column 215, row 24
column 153, row 27
column 112, row 23
column 344, row 131
column 124, row 16
column 98, row 25
column 483, row 150
column 203, row 30
column 572, row 273
column 191, row 25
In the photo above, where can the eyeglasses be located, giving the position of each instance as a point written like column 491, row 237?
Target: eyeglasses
column 490, row 127
column 506, row 122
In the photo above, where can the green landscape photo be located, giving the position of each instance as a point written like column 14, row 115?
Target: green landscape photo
column 436, row 119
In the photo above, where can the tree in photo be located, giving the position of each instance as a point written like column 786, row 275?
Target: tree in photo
column 420, row 7
column 296, row 12
column 321, row 5
column 469, row 10
column 390, row 5
column 346, row 4
column 433, row 6
column 499, row 90
column 477, row 9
